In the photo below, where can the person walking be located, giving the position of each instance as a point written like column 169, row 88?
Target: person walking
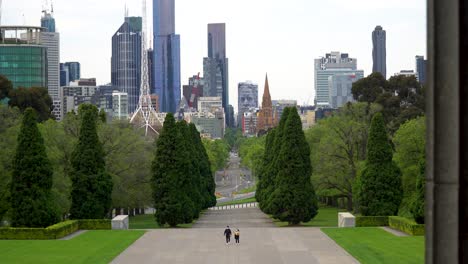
column 237, row 236
column 227, row 233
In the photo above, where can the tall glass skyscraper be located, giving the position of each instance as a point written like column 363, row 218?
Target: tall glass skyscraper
column 126, row 60
column 215, row 66
column 48, row 21
column 74, row 70
column 421, row 65
column 166, row 62
column 379, row 51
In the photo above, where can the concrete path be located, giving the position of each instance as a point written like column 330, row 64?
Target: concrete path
column 261, row 242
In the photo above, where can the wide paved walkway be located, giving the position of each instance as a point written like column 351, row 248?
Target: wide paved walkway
column 260, row 243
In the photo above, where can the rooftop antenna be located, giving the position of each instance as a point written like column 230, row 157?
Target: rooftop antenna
column 145, row 116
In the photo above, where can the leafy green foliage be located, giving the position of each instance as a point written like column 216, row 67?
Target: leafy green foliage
column 409, row 141
column 218, row 153
column 91, row 184
column 362, row 221
column 380, row 191
column 30, row 189
column 406, row 225
column 36, row 97
column 338, row 149
column 5, row 87
column 417, row 206
column 293, row 199
column 402, row 97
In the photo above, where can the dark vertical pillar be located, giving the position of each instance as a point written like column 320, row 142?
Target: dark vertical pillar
column 463, row 102
column 444, row 149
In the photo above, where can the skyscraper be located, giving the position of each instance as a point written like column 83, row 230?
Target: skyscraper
column 166, row 55
column 47, row 20
column 215, row 66
column 74, row 70
column 421, row 69
column 379, row 51
column 334, row 63
column 126, row 60
column 247, row 93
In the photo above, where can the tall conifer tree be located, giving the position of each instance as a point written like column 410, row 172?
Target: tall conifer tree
column 293, row 199
column 31, row 199
column 91, row 194
column 379, row 185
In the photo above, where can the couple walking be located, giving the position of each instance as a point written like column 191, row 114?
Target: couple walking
column 228, row 233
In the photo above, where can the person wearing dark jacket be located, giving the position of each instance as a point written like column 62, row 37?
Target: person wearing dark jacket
column 227, row 234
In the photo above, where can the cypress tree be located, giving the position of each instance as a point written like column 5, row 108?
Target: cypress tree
column 190, row 175
column 272, row 163
column 167, row 182
column 207, row 183
column 31, row 199
column 380, row 190
column 417, row 207
column 91, row 184
column 293, row 199
column 265, row 180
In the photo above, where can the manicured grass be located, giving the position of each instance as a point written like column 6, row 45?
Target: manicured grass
column 99, row 246
column 326, row 217
column 376, row 246
column 243, row 201
column 149, row 222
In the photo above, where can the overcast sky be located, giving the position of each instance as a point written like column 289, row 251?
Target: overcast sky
column 281, row 37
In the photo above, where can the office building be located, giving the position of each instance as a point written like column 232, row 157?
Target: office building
column 340, row 86
column 209, row 104
column 120, row 105
column 193, row 91
column 166, row 51
column 407, row 73
column 379, row 51
column 73, row 96
column 247, row 93
column 23, row 57
column 215, row 66
column 74, row 70
column 86, row 82
column 209, row 124
column 421, row 69
column 334, row 63
column 64, row 75
column 48, row 20
column 280, row 105
column 248, row 122
column 126, row 60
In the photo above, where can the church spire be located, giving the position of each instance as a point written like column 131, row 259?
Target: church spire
column 266, row 102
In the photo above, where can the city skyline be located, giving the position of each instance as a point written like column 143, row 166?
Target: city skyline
column 254, row 47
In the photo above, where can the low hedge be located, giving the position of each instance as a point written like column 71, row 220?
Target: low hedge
column 406, row 225
column 56, row 231
column 95, row 224
column 362, row 221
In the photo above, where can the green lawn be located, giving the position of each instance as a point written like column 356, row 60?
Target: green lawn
column 99, row 246
column 247, row 190
column 376, row 246
column 149, row 222
column 243, row 201
column 326, row 217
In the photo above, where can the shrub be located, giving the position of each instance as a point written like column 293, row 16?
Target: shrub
column 406, row 225
column 95, row 224
column 54, row 231
column 362, row 221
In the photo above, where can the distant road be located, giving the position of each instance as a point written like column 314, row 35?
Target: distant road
column 233, row 179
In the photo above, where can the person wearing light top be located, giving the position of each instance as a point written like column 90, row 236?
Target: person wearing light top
column 237, row 236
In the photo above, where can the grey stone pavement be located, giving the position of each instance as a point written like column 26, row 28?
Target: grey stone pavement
column 260, row 242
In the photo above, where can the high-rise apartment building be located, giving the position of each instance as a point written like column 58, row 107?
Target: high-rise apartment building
column 215, row 66
column 23, row 57
column 119, row 105
column 334, row 63
column 421, row 69
column 379, row 51
column 247, row 93
column 51, row 40
column 64, row 75
column 126, row 60
column 340, row 86
column 166, row 51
